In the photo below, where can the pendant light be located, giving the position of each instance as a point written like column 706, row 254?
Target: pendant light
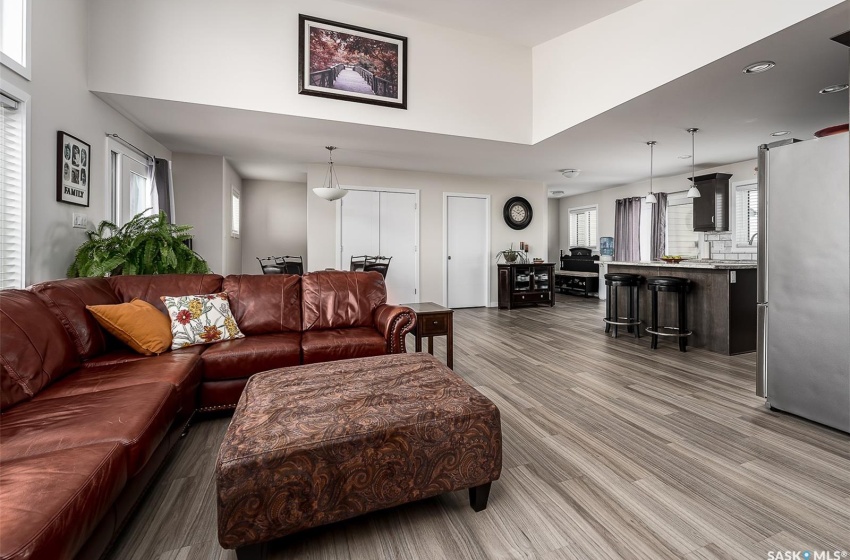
column 328, row 191
column 651, row 198
column 693, row 192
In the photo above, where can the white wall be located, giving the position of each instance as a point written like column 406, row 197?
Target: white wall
column 606, row 198
column 457, row 81
column 274, row 221
column 232, row 246
column 597, row 67
column 60, row 100
column 198, row 201
column 321, row 218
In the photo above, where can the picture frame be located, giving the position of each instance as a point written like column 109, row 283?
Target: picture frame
column 73, row 170
column 341, row 61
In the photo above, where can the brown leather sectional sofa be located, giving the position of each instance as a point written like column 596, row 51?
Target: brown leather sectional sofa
column 86, row 421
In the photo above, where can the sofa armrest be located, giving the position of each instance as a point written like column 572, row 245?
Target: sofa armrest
column 394, row 322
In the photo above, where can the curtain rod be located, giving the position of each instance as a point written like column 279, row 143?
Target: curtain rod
column 129, row 145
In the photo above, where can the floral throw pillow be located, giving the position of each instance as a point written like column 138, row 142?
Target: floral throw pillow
column 202, row 319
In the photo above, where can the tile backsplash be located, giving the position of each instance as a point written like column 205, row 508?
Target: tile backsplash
column 723, row 248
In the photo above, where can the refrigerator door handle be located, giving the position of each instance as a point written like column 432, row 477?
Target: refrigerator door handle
column 761, row 351
column 763, row 220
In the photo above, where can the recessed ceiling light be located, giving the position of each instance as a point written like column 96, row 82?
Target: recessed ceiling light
column 570, row 173
column 759, row 67
column 686, row 156
column 780, row 133
column 834, row 89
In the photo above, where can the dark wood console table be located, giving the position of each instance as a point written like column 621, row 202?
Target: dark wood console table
column 433, row 320
column 526, row 284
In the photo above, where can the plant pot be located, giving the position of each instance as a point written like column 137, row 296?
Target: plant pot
column 510, row 257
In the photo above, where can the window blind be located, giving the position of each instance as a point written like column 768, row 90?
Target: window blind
column 681, row 237
column 746, row 215
column 12, row 194
column 583, row 227
column 234, row 214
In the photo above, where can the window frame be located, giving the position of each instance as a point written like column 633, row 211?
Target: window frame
column 733, row 212
column 579, row 210
column 235, row 225
column 24, row 99
column 24, row 70
column 114, row 150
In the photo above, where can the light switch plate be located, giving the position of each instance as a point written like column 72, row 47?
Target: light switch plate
column 733, row 276
column 80, row 221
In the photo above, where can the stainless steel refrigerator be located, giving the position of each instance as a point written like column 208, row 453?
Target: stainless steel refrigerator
column 804, row 279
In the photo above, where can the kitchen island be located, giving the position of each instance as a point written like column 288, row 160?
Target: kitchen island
column 721, row 302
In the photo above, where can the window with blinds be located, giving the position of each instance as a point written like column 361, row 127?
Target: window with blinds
column 682, row 240
column 746, row 215
column 234, row 213
column 12, row 193
column 583, row 227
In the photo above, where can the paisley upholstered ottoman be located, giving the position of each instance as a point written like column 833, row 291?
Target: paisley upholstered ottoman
column 315, row 444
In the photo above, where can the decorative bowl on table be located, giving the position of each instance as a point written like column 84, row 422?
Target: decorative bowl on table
column 672, row 260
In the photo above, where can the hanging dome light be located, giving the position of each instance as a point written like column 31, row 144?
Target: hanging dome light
column 693, row 192
column 328, row 191
column 651, row 198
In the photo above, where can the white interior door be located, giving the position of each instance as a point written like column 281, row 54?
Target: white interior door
column 398, row 240
column 359, row 225
column 467, row 251
column 383, row 223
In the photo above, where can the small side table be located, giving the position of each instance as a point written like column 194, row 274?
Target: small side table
column 433, row 320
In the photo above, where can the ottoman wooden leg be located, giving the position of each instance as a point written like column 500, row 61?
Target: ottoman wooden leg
column 251, row 552
column 477, row 497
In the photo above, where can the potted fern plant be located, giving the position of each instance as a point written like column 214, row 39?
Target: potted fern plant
column 144, row 245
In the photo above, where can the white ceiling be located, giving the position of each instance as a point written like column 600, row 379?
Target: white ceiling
column 735, row 113
column 528, row 22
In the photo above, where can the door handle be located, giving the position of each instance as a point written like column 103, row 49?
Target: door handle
column 450, row 257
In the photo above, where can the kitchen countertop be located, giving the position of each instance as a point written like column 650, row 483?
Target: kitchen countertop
column 709, row 264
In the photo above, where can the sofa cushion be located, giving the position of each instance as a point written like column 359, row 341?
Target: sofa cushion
column 138, row 324
column 236, row 359
column 263, row 304
column 35, row 349
column 67, row 299
column 341, row 344
column 138, row 417
column 152, row 287
column 125, row 355
column 53, row 502
column 183, row 371
column 338, row 299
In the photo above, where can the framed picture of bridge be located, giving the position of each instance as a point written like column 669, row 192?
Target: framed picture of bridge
column 342, row 61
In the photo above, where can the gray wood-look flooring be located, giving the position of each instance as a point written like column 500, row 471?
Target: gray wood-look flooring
column 611, row 450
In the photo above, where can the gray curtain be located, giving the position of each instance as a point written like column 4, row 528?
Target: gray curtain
column 627, row 229
column 658, row 243
column 164, row 187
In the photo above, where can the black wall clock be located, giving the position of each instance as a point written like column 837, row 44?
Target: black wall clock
column 517, row 213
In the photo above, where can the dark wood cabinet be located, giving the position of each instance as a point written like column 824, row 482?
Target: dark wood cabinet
column 711, row 209
column 526, row 284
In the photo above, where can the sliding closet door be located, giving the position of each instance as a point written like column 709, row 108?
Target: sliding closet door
column 383, row 223
column 398, row 240
column 360, row 225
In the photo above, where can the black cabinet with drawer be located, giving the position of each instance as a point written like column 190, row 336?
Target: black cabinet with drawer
column 526, row 284
column 711, row 208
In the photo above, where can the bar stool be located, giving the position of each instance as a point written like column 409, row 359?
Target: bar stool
column 679, row 286
column 616, row 280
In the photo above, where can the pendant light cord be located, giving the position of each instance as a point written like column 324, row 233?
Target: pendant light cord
column 651, row 145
